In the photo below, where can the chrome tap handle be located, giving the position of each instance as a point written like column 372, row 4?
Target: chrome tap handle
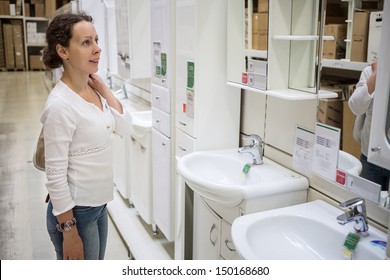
column 356, row 204
column 256, row 139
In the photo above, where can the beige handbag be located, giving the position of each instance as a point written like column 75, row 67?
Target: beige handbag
column 39, row 154
column 39, row 157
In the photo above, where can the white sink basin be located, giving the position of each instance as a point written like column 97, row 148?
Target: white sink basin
column 217, row 175
column 349, row 163
column 301, row 232
column 141, row 122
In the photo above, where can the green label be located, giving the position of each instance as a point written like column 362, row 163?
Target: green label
column 163, row 64
column 190, row 74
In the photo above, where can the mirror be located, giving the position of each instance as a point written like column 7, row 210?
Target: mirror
column 273, row 45
column 304, row 44
column 343, row 62
column 247, row 42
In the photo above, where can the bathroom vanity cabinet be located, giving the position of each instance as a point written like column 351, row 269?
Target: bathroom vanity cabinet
column 207, row 109
column 162, row 100
column 212, row 234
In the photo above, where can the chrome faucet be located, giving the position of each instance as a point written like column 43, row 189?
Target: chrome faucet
column 255, row 148
column 355, row 212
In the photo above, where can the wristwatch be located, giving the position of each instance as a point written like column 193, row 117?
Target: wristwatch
column 67, row 226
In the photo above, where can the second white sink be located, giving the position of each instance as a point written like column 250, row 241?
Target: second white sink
column 217, row 175
column 301, row 232
column 349, row 163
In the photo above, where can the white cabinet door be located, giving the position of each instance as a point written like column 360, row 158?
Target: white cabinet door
column 120, row 168
column 133, row 33
column 163, row 42
column 207, row 231
column 163, row 198
column 228, row 251
column 379, row 146
column 141, row 176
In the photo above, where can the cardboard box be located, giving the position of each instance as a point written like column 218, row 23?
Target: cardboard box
column 50, row 8
column 335, row 49
column 9, row 46
column 39, row 10
column 35, row 62
column 330, row 111
column 259, row 31
column 27, row 9
column 360, row 36
column 18, row 45
column 2, row 50
column 262, row 6
column 374, row 35
column 5, row 8
column 260, row 23
column 259, row 42
column 349, row 144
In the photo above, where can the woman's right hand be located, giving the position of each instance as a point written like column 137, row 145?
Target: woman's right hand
column 372, row 79
column 72, row 245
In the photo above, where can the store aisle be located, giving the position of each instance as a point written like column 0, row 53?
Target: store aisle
column 23, row 233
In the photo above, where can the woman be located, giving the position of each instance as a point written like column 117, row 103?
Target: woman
column 79, row 118
column 361, row 102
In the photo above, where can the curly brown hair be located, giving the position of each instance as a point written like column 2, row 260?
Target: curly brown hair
column 60, row 31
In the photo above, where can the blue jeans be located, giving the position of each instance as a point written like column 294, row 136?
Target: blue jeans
column 375, row 173
column 92, row 226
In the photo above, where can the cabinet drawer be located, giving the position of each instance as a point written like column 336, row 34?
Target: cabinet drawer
column 185, row 117
column 228, row 251
column 185, row 144
column 161, row 121
column 161, row 98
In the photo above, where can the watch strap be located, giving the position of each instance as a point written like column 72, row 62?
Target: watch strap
column 66, row 226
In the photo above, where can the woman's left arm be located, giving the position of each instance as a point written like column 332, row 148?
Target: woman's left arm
column 96, row 82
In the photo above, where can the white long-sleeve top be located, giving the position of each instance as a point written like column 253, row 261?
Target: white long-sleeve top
column 361, row 102
column 78, row 153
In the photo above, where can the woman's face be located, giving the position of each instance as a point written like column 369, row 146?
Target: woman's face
column 83, row 50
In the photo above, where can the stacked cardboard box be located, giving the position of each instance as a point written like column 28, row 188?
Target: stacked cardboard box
column 11, row 8
column 35, row 62
column 17, row 32
column 9, row 46
column 37, row 8
column 5, row 8
column 335, row 49
column 360, row 36
column 2, row 50
column 330, row 111
column 13, row 45
column 260, row 25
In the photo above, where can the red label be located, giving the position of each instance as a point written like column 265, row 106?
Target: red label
column 340, row 177
column 244, row 78
column 184, row 107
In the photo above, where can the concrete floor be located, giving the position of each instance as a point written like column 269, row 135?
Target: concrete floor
column 23, row 234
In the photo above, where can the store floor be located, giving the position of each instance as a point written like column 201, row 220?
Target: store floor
column 23, row 234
